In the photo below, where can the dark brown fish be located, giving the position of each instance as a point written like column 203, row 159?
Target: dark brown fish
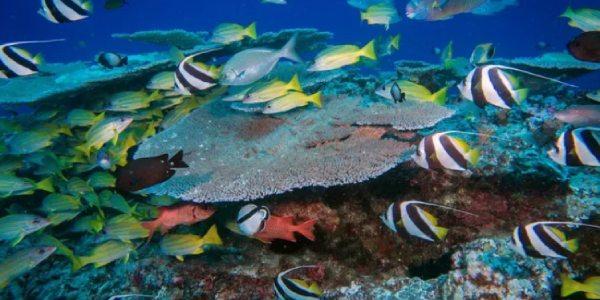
column 586, row 46
column 145, row 172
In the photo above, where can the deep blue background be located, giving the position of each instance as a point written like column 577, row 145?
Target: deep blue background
column 515, row 31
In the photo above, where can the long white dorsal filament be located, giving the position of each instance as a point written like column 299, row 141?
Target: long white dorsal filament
column 534, row 75
column 33, row 42
column 443, row 206
column 569, row 223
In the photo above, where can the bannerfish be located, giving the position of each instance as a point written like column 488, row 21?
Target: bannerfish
column 14, row 228
column 542, row 239
column 106, row 253
column 586, row 46
column 250, row 65
column 586, row 19
column 590, row 286
column 381, row 14
column 490, row 84
column 114, row 4
column 111, row 60
column 413, row 92
column 22, row 262
column 577, row 147
column 435, row 10
column 192, row 77
column 274, row 1
column 145, row 172
column 64, row 11
column 335, row 57
column 16, row 62
column 292, row 100
column 482, row 54
column 170, row 217
column 272, row 90
column 580, row 115
column 257, row 222
column 406, row 217
column 179, row 245
column 442, row 151
column 286, row 288
column 228, row 33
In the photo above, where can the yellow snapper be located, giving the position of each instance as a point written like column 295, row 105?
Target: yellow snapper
column 273, row 89
column 179, row 245
column 27, row 142
column 61, row 249
column 414, row 92
column 382, row 14
column 124, row 228
column 591, row 286
column 237, row 95
column 82, row 118
column 104, row 131
column 228, row 33
column 100, row 180
column 15, row 227
column 482, row 54
column 22, row 262
column 59, row 203
column 106, row 253
column 164, row 81
column 292, row 100
column 179, row 112
column 131, row 101
column 11, row 185
column 586, row 19
column 335, row 57
column 250, row 65
column 92, row 223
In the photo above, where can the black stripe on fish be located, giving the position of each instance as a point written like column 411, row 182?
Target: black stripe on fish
column 280, row 290
column 571, row 157
column 75, row 7
column 185, row 84
column 477, row 87
column 18, row 59
column 526, row 243
column 7, row 71
column 198, row 74
column 452, row 151
column 590, row 141
column 430, row 153
column 248, row 215
column 55, row 13
column 396, row 213
column 549, row 241
column 292, row 286
column 414, row 215
column 501, row 89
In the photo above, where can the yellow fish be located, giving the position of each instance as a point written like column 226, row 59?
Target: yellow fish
column 292, row 100
column 272, row 90
column 228, row 33
column 335, row 57
column 179, row 245
column 591, row 287
column 586, row 19
column 381, row 14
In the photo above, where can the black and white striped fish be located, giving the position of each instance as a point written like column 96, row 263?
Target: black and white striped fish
column 192, row 77
column 408, row 218
column 15, row 62
column 295, row 289
column 577, row 147
column 541, row 239
column 111, row 60
column 492, row 85
column 64, row 11
column 251, row 218
column 442, row 151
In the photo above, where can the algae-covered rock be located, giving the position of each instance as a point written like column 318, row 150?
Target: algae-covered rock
column 236, row 156
column 173, row 38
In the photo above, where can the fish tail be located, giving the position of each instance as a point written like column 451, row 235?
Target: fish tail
column 212, row 237
column 46, row 185
column 88, row 6
column 288, row 51
column 85, row 149
column 307, row 228
column 82, row 261
column 251, row 31
column 368, row 50
column 294, row 84
column 76, row 263
column 441, row 232
column 316, row 99
column 473, row 156
column 573, row 245
column 439, row 97
column 38, row 59
column 395, row 42
column 522, row 95
column 568, row 12
column 569, row 286
column 125, row 60
column 99, row 117
column 177, row 160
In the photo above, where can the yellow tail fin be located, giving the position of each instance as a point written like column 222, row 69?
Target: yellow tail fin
column 38, row 59
column 368, row 50
column 316, row 99
column 569, row 286
column 473, row 156
column 568, row 12
column 439, row 97
column 522, row 95
column 88, row 6
column 395, row 42
column 85, row 149
column 46, row 185
column 212, row 237
column 593, row 283
column 83, row 261
column 294, row 84
column 573, row 245
column 441, row 232
column 251, row 31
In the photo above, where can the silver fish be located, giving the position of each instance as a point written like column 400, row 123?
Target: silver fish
column 580, row 115
column 251, row 65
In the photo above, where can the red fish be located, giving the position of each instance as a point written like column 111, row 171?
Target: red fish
column 283, row 228
column 171, row 216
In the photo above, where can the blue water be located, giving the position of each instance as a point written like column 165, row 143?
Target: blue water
column 515, row 31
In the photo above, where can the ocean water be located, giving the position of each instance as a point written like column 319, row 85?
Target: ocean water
column 113, row 189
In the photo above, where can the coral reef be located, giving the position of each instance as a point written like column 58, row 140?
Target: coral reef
column 173, row 38
column 555, row 63
column 316, row 147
